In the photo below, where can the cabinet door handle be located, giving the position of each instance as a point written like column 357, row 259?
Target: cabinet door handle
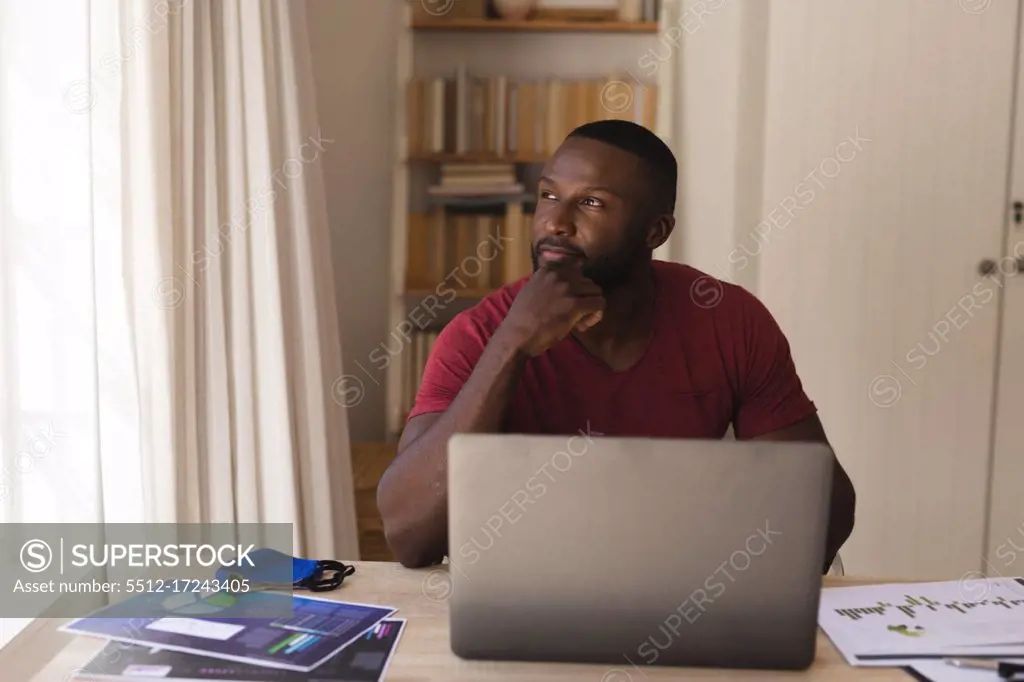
column 988, row 266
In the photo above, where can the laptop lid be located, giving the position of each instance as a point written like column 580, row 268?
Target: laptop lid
column 635, row 551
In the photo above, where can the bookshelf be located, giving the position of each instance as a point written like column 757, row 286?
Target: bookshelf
column 481, row 104
column 473, row 157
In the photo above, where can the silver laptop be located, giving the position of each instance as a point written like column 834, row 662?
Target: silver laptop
column 635, row 552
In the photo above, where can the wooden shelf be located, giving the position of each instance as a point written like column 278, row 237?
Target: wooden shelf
column 538, row 26
column 475, row 158
column 480, row 201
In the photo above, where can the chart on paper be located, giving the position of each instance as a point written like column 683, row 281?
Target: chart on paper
column 925, row 618
column 911, row 606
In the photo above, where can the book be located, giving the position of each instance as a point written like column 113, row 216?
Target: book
column 519, row 119
column 481, row 190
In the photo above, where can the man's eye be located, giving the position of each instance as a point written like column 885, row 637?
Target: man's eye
column 544, row 194
column 591, row 201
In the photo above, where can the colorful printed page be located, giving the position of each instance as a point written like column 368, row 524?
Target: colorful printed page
column 364, row 660
column 227, row 627
column 925, row 619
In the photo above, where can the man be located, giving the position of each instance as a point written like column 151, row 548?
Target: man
column 600, row 336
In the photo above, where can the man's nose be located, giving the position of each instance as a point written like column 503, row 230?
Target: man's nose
column 560, row 220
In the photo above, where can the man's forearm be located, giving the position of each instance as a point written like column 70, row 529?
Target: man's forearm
column 413, row 493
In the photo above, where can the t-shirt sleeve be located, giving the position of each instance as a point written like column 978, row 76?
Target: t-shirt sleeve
column 456, row 351
column 771, row 395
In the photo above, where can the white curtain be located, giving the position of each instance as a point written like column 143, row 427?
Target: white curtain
column 168, row 334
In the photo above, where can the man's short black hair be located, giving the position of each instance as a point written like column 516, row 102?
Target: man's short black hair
column 643, row 143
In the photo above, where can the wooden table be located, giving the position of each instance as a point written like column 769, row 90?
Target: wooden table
column 41, row 654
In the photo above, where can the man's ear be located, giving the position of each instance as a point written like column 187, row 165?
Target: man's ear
column 660, row 230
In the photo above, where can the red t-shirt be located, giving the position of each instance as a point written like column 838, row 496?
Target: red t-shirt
column 717, row 357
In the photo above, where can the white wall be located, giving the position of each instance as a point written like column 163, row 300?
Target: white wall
column 717, row 132
column 353, row 48
column 870, row 269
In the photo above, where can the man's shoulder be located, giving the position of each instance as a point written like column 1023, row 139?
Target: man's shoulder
column 696, row 290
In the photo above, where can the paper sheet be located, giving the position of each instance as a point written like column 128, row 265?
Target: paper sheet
column 364, row 660
column 895, row 622
column 938, row 671
column 317, row 629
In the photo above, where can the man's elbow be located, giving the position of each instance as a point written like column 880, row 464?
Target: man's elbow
column 404, row 540
column 849, row 500
column 851, row 514
column 408, row 548
column 844, row 511
column 415, row 559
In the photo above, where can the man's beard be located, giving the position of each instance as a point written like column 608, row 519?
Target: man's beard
column 613, row 270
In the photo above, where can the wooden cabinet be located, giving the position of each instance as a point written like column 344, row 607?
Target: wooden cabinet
column 910, row 352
